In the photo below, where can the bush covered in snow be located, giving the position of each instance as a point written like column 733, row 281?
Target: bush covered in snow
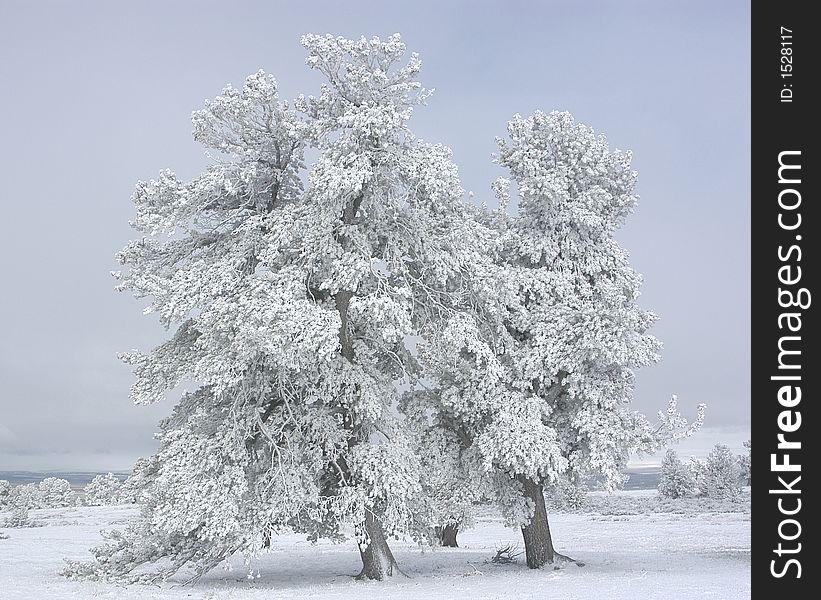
column 676, row 479
column 54, row 492
column 27, row 496
column 5, row 489
column 698, row 471
column 642, row 502
column 745, row 464
column 722, row 473
column 19, row 517
column 719, row 476
column 565, row 495
column 103, row 490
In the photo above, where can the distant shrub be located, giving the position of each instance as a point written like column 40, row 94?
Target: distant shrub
column 24, row 496
column 54, row 492
column 19, row 517
column 565, row 495
column 638, row 503
column 745, row 464
column 722, row 473
column 698, row 472
column 103, row 490
column 676, row 478
column 5, row 489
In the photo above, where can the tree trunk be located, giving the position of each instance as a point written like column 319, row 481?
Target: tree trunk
column 377, row 559
column 538, row 543
column 447, row 535
column 539, row 549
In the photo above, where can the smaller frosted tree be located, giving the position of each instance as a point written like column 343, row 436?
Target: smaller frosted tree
column 24, row 496
column 676, row 479
column 698, row 473
column 565, row 494
column 537, row 371
column 745, row 463
column 54, row 492
column 19, row 517
column 103, row 490
column 5, row 489
column 721, row 473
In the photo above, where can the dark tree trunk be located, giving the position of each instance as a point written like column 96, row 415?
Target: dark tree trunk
column 538, row 543
column 447, row 535
column 539, row 549
column 377, row 559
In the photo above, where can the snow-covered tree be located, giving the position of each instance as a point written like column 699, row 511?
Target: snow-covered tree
column 564, row 494
column 24, row 496
column 18, row 517
column 134, row 484
column 698, row 474
column 676, row 479
column 391, row 241
column 537, row 371
column 54, row 492
column 722, row 473
column 290, row 305
column 5, row 489
column 51, row 492
column 103, row 490
column 745, row 462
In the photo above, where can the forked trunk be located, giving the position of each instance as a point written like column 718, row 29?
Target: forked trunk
column 539, row 549
column 377, row 559
column 447, row 535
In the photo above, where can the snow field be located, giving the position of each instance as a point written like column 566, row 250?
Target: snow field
column 627, row 556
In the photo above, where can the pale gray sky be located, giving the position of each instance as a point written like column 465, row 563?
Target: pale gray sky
column 96, row 95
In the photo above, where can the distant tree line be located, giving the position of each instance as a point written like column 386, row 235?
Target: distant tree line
column 55, row 492
column 721, row 475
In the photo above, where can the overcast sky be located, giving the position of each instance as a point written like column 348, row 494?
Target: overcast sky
column 96, row 95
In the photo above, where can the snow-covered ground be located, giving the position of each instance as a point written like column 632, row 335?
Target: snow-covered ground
column 693, row 553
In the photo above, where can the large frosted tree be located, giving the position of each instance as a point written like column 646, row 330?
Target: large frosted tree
column 290, row 292
column 536, row 372
column 391, row 242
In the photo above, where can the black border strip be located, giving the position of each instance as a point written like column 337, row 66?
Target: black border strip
column 783, row 74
